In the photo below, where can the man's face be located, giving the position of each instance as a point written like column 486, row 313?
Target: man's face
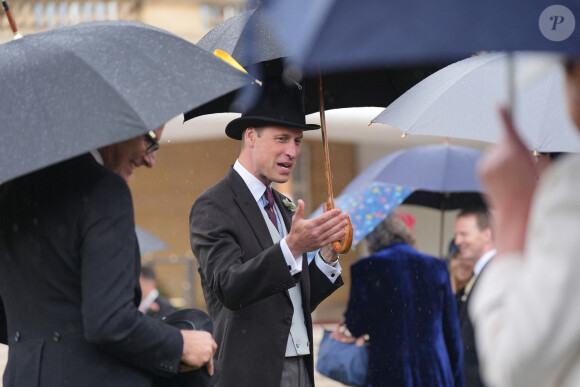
column 470, row 240
column 461, row 268
column 274, row 151
column 123, row 157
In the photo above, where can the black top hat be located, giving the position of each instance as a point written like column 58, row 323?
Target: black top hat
column 279, row 104
column 197, row 320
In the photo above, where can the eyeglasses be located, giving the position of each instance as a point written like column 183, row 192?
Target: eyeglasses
column 151, row 139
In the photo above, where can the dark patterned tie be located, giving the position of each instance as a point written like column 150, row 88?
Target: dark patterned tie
column 269, row 207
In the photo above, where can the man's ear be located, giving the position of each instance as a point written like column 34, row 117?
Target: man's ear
column 488, row 234
column 250, row 135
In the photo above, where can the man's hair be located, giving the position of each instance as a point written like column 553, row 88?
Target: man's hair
column 389, row 231
column 147, row 272
column 481, row 215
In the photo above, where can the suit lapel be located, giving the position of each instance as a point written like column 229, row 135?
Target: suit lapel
column 248, row 206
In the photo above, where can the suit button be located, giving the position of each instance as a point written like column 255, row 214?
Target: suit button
column 332, row 275
column 56, row 337
column 17, row 336
column 288, row 320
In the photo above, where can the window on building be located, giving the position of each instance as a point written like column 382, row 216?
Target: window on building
column 50, row 14
column 38, row 16
column 74, row 12
column 62, row 14
column 212, row 15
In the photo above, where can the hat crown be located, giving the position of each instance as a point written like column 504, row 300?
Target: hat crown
column 279, row 104
column 279, row 101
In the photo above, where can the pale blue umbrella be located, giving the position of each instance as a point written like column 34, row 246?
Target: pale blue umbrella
column 149, row 242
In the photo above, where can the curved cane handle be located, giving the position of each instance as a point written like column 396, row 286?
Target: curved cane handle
column 343, row 247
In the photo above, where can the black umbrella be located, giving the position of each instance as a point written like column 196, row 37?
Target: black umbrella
column 250, row 40
column 344, row 34
column 72, row 89
column 253, row 43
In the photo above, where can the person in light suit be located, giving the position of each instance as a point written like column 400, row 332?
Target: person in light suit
column 69, row 278
column 250, row 245
column 526, row 307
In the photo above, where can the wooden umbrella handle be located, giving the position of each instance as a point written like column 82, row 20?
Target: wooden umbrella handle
column 343, row 246
column 11, row 20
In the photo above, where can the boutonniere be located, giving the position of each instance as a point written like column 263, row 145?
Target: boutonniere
column 289, row 205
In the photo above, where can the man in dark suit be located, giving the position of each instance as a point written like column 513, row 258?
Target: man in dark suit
column 250, row 247
column 69, row 269
column 474, row 239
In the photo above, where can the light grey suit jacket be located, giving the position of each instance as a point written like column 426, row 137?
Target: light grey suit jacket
column 526, row 308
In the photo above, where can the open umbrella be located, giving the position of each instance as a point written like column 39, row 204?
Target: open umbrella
column 369, row 205
column 462, row 99
column 442, row 177
column 249, row 39
column 72, row 89
column 343, row 34
column 149, row 242
column 254, row 44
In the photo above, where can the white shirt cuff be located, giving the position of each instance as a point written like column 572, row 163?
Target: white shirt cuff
column 294, row 263
column 331, row 270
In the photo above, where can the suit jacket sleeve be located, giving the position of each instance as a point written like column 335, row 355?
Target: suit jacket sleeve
column 110, row 267
column 526, row 308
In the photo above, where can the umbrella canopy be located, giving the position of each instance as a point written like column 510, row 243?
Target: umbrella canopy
column 341, row 34
column 462, row 99
column 368, row 205
column 149, row 242
column 72, row 89
column 254, row 44
column 442, row 176
column 437, row 176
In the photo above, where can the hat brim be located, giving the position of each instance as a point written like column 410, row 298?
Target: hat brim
column 236, row 127
column 190, row 319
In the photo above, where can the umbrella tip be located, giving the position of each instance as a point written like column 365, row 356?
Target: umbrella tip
column 403, row 135
column 369, row 124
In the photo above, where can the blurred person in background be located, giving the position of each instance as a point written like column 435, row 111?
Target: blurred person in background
column 403, row 300
column 474, row 238
column 460, row 268
column 152, row 302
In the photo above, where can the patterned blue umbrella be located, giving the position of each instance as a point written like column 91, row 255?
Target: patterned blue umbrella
column 369, row 205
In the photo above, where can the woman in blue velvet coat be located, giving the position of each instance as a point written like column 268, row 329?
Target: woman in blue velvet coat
column 403, row 300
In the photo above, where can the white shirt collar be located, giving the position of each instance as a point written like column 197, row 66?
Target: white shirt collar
column 481, row 262
column 257, row 188
column 97, row 156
